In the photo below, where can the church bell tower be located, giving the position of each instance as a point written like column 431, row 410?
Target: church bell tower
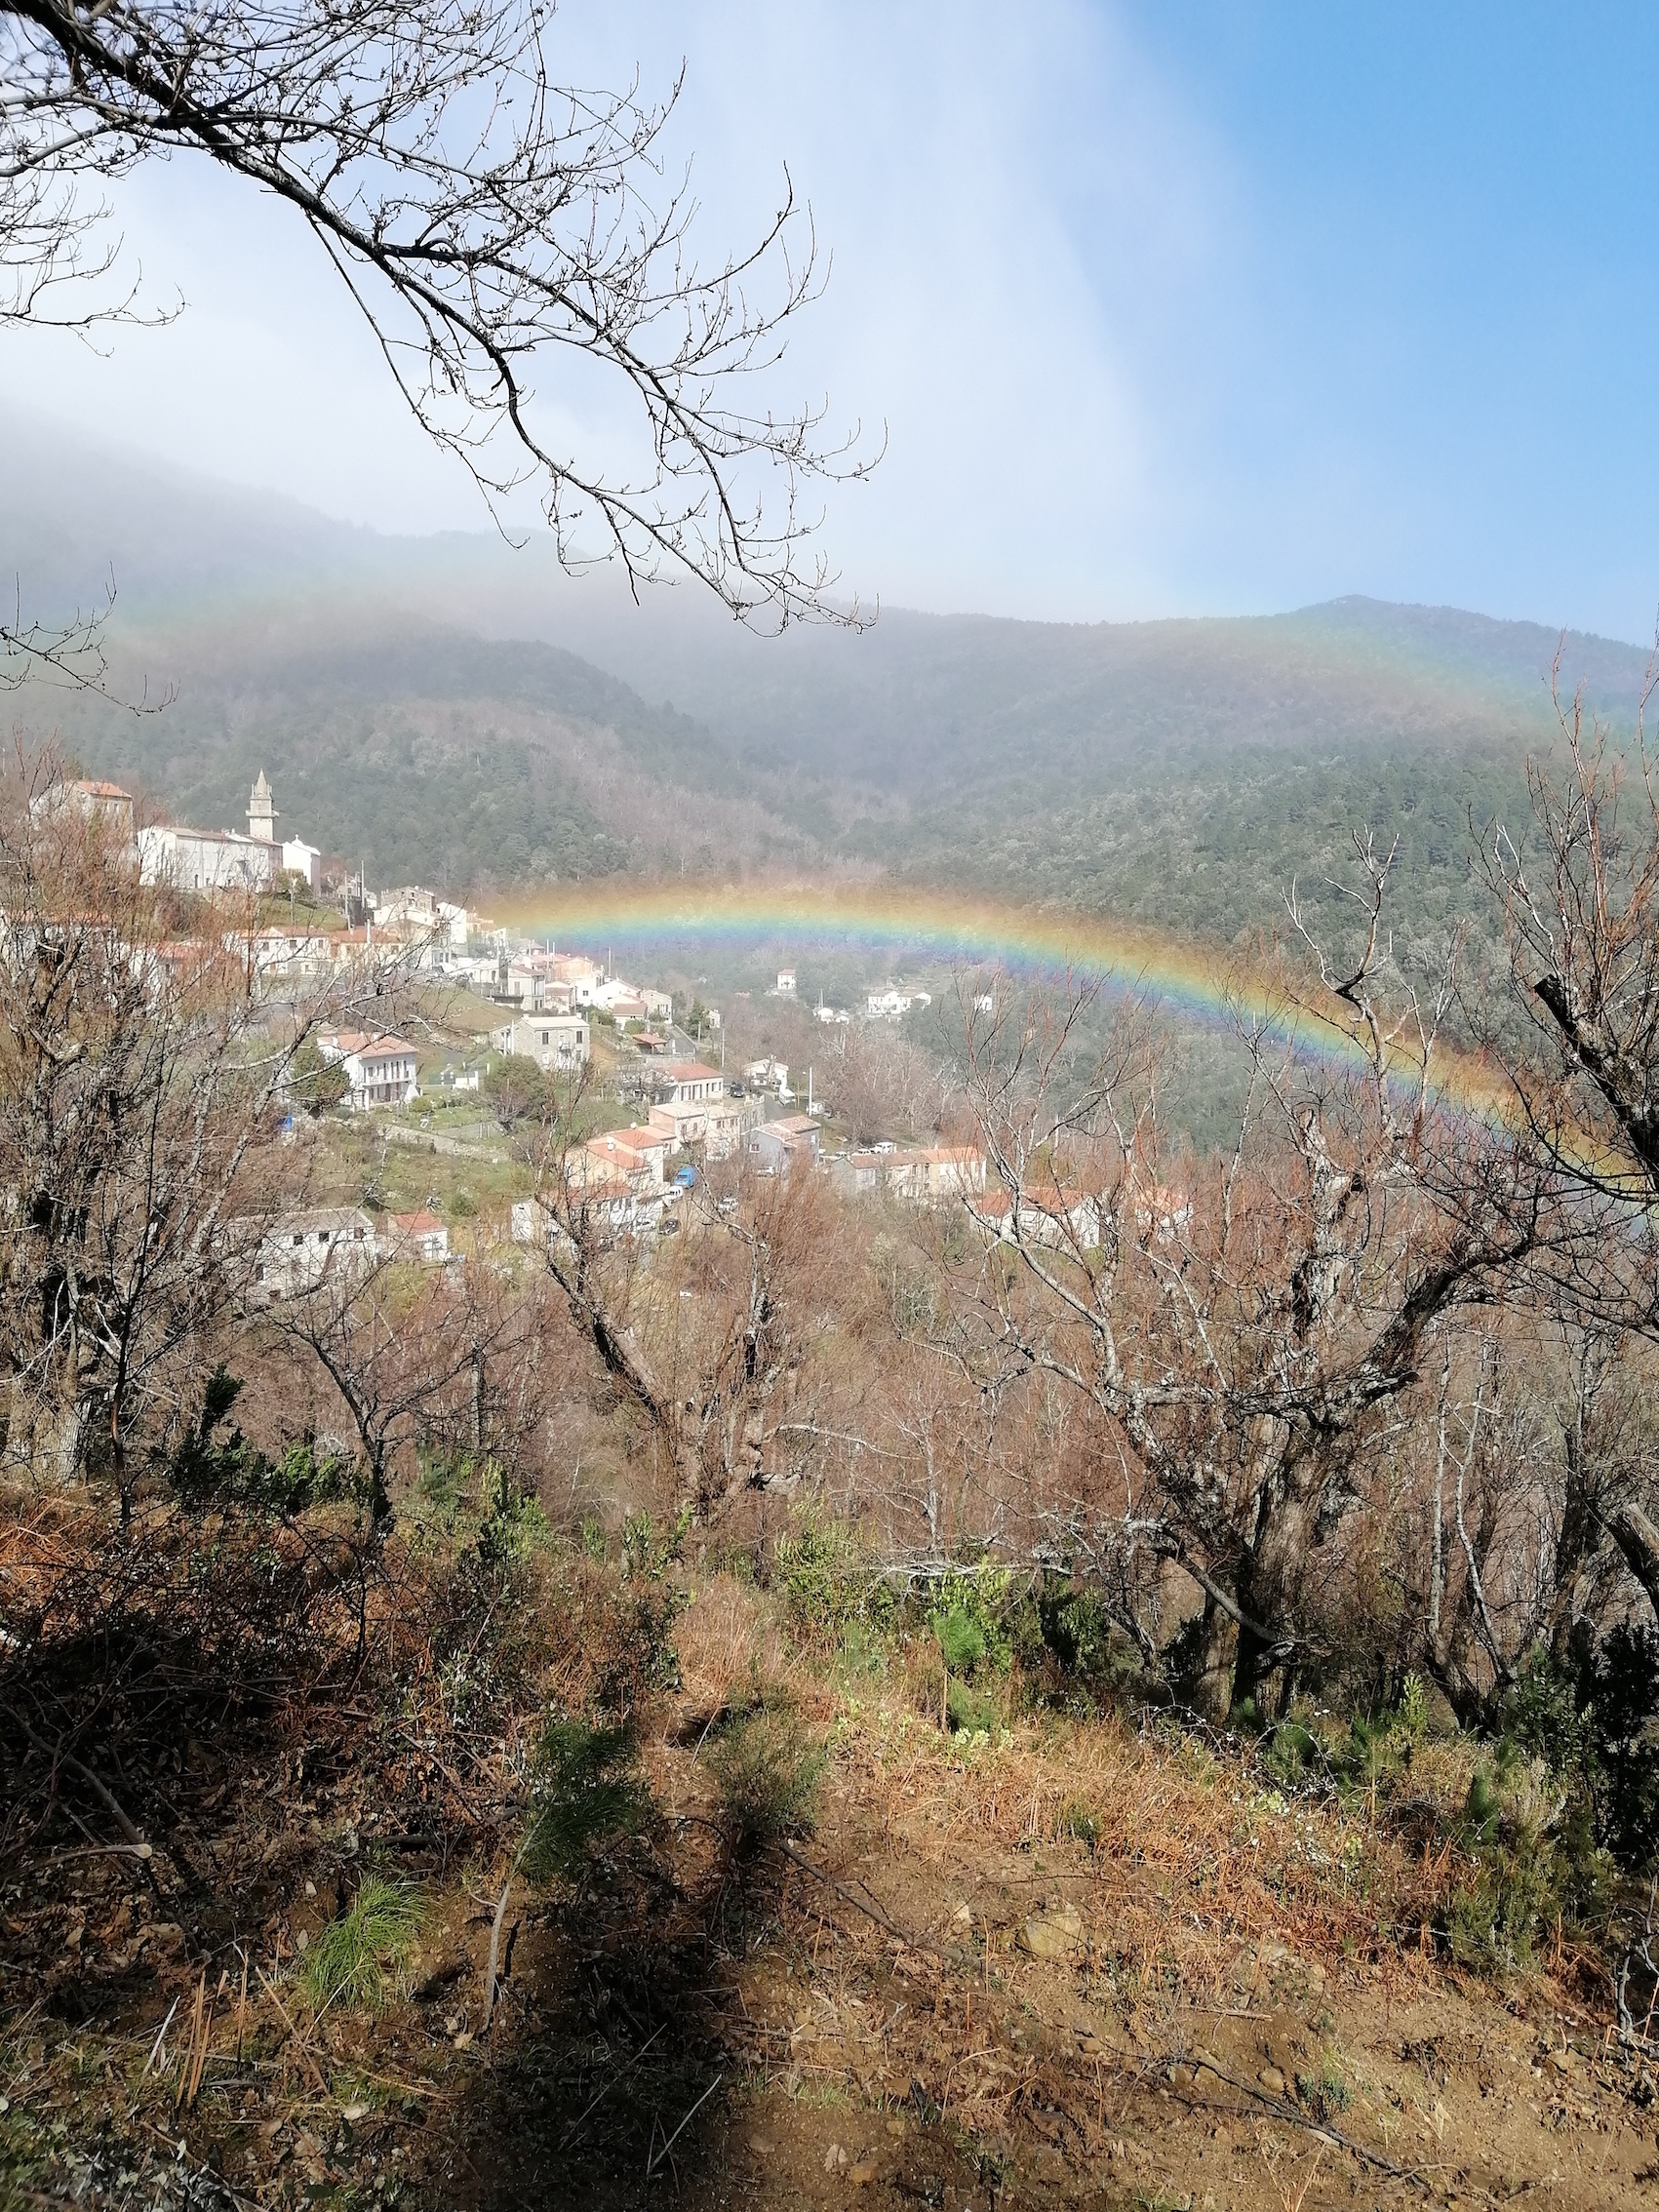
column 261, row 813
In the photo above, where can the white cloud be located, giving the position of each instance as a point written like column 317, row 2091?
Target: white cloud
column 1033, row 245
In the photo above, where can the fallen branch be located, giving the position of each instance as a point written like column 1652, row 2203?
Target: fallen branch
column 68, row 1759
column 611, row 2081
column 160, row 2038
column 655, row 2157
column 103, row 1851
column 494, row 1953
column 1282, row 2111
column 871, row 1910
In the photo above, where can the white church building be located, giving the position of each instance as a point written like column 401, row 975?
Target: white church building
column 193, row 859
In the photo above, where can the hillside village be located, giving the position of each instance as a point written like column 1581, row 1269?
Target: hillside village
column 493, row 998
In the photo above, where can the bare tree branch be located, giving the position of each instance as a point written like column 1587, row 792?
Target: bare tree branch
column 486, row 219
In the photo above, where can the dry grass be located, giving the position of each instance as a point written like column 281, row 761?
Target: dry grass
column 1192, row 1863
column 730, row 1639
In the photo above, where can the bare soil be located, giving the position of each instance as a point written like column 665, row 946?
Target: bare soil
column 938, row 1999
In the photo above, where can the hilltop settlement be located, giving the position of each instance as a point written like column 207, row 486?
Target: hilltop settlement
column 659, row 1073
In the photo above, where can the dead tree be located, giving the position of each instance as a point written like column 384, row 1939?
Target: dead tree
column 1241, row 1329
column 404, row 1345
column 708, row 1333
column 1578, row 893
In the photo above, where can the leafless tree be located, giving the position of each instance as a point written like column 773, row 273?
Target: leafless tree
column 1241, row 1329
column 410, row 1350
column 485, row 216
column 1578, row 892
column 140, row 1085
column 712, row 1333
column 69, row 654
column 882, row 1083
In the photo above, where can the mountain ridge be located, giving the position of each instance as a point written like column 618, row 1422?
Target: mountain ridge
column 461, row 710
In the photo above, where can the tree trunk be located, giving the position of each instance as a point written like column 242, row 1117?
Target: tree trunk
column 1638, row 1541
column 379, row 1499
column 1213, row 1678
column 1269, row 1588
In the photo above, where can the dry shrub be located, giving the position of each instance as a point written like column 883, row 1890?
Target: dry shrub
column 613, row 1642
column 730, row 1639
column 766, row 1766
column 1187, row 1859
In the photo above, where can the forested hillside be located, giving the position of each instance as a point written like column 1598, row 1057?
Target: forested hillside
column 450, row 710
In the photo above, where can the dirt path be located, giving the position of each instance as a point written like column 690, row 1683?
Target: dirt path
column 947, row 2019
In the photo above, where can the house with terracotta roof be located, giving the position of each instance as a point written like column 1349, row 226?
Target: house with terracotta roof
column 1160, row 1211
column 420, row 1235
column 950, row 1170
column 926, row 1177
column 792, row 1140
column 379, row 1070
column 688, row 1083
column 716, row 1125
column 103, row 801
column 1046, row 1221
column 282, row 952
column 640, row 1156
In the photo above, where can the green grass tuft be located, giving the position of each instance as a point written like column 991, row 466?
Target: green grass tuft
column 358, row 1957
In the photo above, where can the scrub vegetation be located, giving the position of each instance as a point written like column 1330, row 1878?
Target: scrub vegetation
column 1140, row 1679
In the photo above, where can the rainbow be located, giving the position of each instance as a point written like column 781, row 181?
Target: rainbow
column 909, row 929
column 879, row 920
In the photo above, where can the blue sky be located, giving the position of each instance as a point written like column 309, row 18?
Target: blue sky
column 1167, row 308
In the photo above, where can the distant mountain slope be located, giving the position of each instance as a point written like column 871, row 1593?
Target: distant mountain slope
column 455, row 709
column 425, row 753
column 923, row 701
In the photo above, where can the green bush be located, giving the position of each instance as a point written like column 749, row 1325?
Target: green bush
column 648, row 1555
column 1500, row 1908
column 1290, row 1750
column 968, row 1712
column 314, row 1083
column 1619, row 1689
column 514, row 1530
column 767, row 1768
column 1080, row 1632
column 1081, row 1823
column 593, row 1540
column 585, row 1792
column 1323, row 2092
column 209, row 1468
column 825, row 1589
column 969, row 1615
column 962, row 1640
column 358, row 1957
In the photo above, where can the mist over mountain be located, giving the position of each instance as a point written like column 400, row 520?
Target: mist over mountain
column 455, row 709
